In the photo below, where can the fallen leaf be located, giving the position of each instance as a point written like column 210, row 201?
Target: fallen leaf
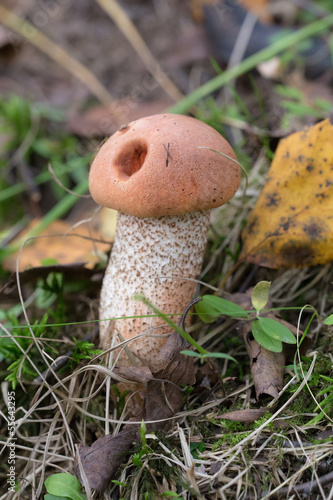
column 292, row 222
column 59, row 243
column 267, row 367
column 100, row 121
column 260, row 8
column 162, row 399
column 138, row 374
column 206, row 378
column 248, row 415
column 164, row 396
column 102, row 459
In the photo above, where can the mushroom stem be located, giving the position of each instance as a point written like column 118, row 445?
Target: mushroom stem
column 146, row 253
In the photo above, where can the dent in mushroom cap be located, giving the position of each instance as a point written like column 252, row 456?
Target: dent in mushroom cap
column 153, row 167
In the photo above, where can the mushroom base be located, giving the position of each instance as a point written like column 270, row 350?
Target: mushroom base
column 159, row 258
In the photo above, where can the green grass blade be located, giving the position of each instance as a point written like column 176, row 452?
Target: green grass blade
column 251, row 62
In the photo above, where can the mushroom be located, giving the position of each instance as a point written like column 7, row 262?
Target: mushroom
column 164, row 186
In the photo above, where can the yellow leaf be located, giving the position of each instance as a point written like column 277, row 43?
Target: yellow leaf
column 260, row 295
column 58, row 242
column 292, row 222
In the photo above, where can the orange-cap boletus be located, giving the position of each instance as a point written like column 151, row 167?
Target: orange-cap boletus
column 163, row 185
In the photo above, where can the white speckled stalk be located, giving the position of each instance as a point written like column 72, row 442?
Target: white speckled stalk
column 145, row 250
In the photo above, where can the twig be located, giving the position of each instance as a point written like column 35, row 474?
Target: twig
column 13, row 231
column 61, row 362
column 308, row 487
column 58, row 181
column 119, row 16
column 251, row 62
column 57, row 53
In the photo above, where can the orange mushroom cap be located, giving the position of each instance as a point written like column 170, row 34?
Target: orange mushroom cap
column 153, row 167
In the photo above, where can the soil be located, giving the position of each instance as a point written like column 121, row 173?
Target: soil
column 89, row 35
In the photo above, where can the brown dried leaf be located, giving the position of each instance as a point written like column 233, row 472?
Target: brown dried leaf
column 102, row 459
column 248, row 415
column 100, row 121
column 139, row 374
column 162, row 398
column 267, row 367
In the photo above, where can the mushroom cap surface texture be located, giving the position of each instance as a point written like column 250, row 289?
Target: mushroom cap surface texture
column 154, row 167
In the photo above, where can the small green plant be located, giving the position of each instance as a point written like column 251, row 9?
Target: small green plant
column 25, row 128
column 268, row 332
column 326, row 404
column 318, row 394
column 118, row 483
column 145, row 450
column 211, row 307
column 63, row 486
column 120, row 399
column 296, row 104
column 202, row 353
column 82, row 350
column 14, row 352
column 329, row 320
column 18, row 348
column 51, row 290
column 203, row 356
column 196, row 448
column 230, row 439
column 171, row 494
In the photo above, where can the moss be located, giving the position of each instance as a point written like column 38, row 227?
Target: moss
column 258, row 423
column 205, row 428
column 230, row 439
column 157, row 470
column 304, row 403
column 232, row 426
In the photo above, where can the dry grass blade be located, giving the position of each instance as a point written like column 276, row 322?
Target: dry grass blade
column 119, row 16
column 58, row 54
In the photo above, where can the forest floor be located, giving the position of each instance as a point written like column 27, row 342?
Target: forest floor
column 240, row 434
